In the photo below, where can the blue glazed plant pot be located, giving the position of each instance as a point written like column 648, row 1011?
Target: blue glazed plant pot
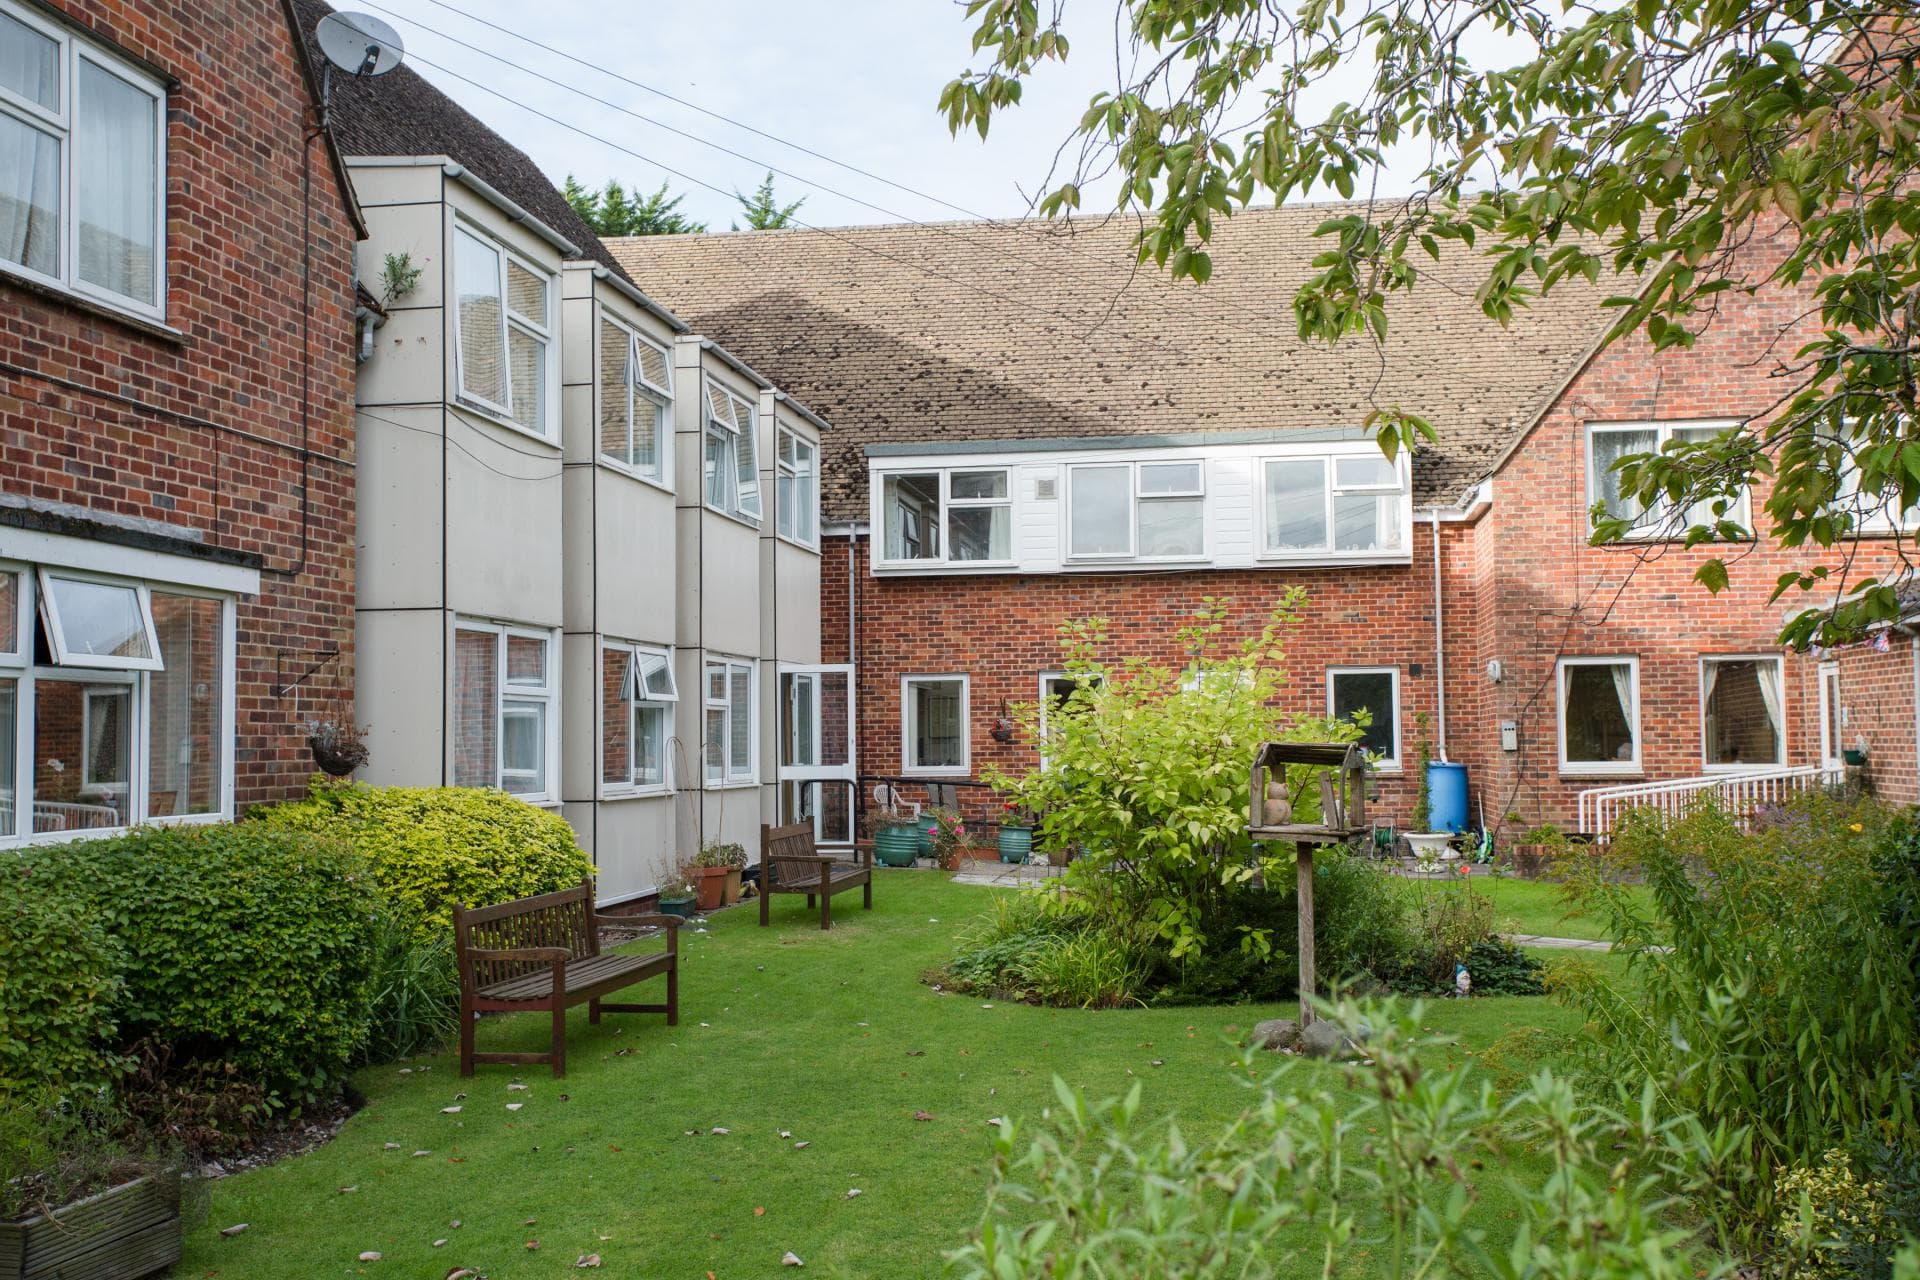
column 926, row 826
column 1016, row 843
column 896, row 846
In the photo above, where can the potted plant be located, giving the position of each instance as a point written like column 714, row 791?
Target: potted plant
column 949, row 837
column 338, row 745
column 75, row 1200
column 896, row 839
column 1016, row 835
column 717, row 869
column 678, row 893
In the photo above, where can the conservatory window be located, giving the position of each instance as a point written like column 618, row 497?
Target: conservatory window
column 1600, row 715
column 1743, row 720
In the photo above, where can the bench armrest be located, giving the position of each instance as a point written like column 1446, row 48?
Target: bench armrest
column 640, row 920
column 863, row 853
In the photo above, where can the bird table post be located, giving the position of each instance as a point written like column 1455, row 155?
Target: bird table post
column 1343, row 814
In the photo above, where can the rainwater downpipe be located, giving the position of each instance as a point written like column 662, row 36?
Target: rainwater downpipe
column 1439, row 643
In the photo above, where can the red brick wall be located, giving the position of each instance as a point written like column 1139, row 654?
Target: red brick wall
column 235, row 156
column 1876, row 691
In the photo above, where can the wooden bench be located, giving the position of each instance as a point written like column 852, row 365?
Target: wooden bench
column 789, row 863
column 543, row 953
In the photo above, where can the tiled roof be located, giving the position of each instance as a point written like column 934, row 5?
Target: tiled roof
column 400, row 114
column 993, row 331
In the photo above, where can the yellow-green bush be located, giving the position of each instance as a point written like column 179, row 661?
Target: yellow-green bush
column 431, row 847
column 1823, row 1212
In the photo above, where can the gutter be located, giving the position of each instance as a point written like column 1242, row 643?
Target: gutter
column 1475, row 502
column 787, row 401
column 631, row 293
column 736, row 364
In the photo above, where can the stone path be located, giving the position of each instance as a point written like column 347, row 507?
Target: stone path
column 1557, row 944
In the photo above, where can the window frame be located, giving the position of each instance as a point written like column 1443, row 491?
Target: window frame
column 505, row 258
column 1047, row 700
column 908, row 767
column 94, row 691
column 1394, row 763
column 745, row 436
column 1331, row 489
column 728, row 777
column 49, row 600
column 18, row 665
column 637, row 697
column 787, row 478
column 1137, row 496
column 71, row 50
column 1664, row 430
column 948, row 503
column 546, row 692
column 1599, row 768
column 1780, row 734
column 638, row 391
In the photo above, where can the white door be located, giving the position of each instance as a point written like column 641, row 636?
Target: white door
column 817, row 778
column 1833, row 717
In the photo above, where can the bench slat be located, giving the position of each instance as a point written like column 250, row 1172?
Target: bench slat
column 588, row 973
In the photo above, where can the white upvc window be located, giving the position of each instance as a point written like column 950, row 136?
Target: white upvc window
column 83, row 175
column 1136, row 510
column 1609, row 442
column 1057, row 689
column 731, row 464
column 116, row 703
column 1375, row 690
column 505, row 708
column 636, row 402
column 1599, row 701
column 1743, row 722
column 934, row 736
column 796, row 489
column 503, row 336
column 732, row 728
column 947, row 516
column 1314, row 506
column 637, row 699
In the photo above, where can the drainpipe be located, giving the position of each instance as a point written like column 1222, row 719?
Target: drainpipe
column 1439, row 642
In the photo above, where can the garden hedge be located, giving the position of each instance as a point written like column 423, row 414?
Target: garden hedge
column 431, row 847
column 61, row 982
column 243, row 945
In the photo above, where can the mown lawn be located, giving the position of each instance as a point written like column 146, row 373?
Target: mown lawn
column 830, row 1037
column 1537, row 907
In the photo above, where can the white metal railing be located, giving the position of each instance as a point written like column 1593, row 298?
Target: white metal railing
column 1738, row 793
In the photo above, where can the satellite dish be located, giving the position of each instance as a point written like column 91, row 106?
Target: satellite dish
column 359, row 43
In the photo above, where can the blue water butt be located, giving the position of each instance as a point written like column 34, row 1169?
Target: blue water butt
column 1447, row 790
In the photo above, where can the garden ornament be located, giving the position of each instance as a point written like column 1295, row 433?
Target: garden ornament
column 1462, row 981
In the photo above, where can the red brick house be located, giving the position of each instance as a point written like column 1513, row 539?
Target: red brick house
column 1028, row 432
column 176, row 385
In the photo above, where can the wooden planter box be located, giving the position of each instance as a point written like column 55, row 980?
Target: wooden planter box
column 130, row 1231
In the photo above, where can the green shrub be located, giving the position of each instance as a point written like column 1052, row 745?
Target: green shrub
column 1786, row 1004
column 415, row 991
column 431, row 847
column 1501, row 969
column 59, row 983
column 243, row 945
column 1822, row 1212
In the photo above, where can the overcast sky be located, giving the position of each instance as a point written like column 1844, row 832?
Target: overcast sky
column 856, row 80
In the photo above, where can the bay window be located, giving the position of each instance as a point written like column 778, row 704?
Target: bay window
column 730, row 721
column 796, row 494
column 1344, row 504
column 1599, row 715
column 82, row 165
column 948, row 517
column 1609, row 443
column 636, row 401
column 503, row 331
column 115, row 702
column 732, row 464
column 933, row 725
column 1148, row 510
column 503, row 708
column 1376, row 691
column 637, row 696
column 1742, row 716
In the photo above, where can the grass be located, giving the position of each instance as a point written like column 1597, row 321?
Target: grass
column 828, row 1036
column 1537, row 907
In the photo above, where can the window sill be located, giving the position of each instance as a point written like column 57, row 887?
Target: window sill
column 649, row 792
column 732, row 784
column 1573, row 772
column 487, row 413
column 66, row 297
column 1736, row 770
column 751, row 522
column 622, row 469
column 960, row 772
column 812, row 547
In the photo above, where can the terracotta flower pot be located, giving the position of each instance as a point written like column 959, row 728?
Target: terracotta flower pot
column 713, row 887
